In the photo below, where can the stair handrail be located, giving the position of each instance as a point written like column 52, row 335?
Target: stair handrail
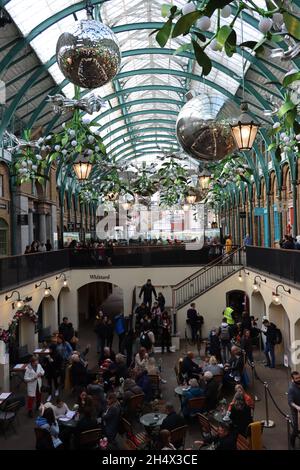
column 205, row 268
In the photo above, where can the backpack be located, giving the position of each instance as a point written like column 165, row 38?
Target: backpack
column 224, row 333
column 278, row 337
column 145, row 341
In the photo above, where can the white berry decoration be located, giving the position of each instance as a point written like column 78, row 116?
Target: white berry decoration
column 226, row 11
column 278, row 19
column 298, row 137
column 34, row 167
column 188, row 8
column 276, row 125
column 265, row 24
column 74, row 143
column 203, row 23
column 215, row 46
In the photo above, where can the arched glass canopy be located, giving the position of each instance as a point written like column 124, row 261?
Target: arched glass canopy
column 145, row 97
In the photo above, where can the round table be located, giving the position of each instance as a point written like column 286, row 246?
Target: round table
column 151, row 420
column 218, row 417
column 71, row 423
column 181, row 389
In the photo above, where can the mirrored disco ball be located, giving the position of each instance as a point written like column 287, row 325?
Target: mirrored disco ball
column 90, row 55
column 199, row 134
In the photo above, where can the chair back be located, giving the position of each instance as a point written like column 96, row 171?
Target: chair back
column 12, row 407
column 125, row 426
column 89, row 437
column 218, row 378
column 205, row 425
column 43, row 439
column 196, row 403
column 129, row 445
column 242, row 443
column 135, row 403
column 179, row 434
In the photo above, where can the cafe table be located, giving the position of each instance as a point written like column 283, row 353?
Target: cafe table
column 152, row 420
column 41, row 351
column 4, row 396
column 180, row 391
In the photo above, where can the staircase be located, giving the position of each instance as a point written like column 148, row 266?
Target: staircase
column 206, row 278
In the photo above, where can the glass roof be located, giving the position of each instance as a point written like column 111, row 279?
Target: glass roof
column 160, row 74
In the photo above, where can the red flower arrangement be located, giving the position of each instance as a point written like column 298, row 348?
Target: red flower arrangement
column 25, row 311
column 4, row 335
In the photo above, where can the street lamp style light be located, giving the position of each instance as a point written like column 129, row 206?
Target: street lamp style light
column 204, row 179
column 244, row 130
column 65, row 283
column 20, row 302
column 47, row 288
column 82, row 168
column 275, row 295
column 255, row 286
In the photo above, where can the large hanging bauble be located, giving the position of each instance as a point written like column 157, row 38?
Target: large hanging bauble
column 90, row 55
column 200, row 135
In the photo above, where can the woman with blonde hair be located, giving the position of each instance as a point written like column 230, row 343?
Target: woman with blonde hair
column 213, row 366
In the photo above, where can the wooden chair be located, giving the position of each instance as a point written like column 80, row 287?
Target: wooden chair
column 179, row 435
column 140, row 439
column 8, row 416
column 196, row 404
column 135, row 404
column 129, row 445
column 90, row 439
column 242, row 443
column 43, row 439
column 154, row 379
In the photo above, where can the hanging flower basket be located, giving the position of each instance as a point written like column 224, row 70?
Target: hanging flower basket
column 24, row 312
column 4, row 335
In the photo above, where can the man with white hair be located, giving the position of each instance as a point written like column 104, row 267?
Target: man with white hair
column 211, row 390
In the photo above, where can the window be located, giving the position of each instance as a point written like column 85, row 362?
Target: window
column 3, row 238
column 1, row 185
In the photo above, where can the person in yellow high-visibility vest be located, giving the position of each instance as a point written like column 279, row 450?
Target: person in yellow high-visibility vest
column 228, row 315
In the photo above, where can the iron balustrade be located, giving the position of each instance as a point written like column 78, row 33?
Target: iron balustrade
column 207, row 277
column 279, row 262
column 18, row 270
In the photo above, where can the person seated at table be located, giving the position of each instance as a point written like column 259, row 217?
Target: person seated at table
column 60, row 408
column 96, row 390
column 86, row 422
column 78, row 373
column 84, row 400
column 190, row 368
column 111, row 417
column 165, row 440
column 172, row 421
column 193, row 392
column 240, row 414
column 152, row 369
column 210, row 391
column 130, row 389
column 118, row 369
column 213, row 366
column 141, row 359
column 142, row 379
column 48, row 422
column 233, row 370
column 108, row 353
column 224, row 440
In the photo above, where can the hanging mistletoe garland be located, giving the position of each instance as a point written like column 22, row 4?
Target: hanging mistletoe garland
column 24, row 312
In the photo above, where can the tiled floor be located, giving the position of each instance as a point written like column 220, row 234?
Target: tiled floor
column 273, row 438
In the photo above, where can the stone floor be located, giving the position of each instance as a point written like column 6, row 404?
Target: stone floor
column 273, row 438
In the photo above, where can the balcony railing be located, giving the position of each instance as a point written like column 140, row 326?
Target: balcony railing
column 279, row 262
column 18, row 270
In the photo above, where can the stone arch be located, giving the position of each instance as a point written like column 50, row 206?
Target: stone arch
column 279, row 316
column 47, row 311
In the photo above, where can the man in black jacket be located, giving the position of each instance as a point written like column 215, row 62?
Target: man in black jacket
column 210, row 390
column 172, row 421
column 294, row 402
column 190, row 369
column 271, row 336
column 233, row 370
column 66, row 329
column 147, row 290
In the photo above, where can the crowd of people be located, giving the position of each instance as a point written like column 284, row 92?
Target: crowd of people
column 38, row 247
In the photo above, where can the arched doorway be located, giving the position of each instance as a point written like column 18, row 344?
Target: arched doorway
column 94, row 295
column 238, row 300
column 62, row 302
column 47, row 318
column 258, row 310
column 278, row 316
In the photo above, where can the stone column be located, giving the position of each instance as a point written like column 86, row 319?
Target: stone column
column 30, row 227
column 42, row 234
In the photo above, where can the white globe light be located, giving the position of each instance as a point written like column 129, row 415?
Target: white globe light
column 265, row 24
column 203, row 23
column 188, row 8
column 226, row 11
column 215, row 46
